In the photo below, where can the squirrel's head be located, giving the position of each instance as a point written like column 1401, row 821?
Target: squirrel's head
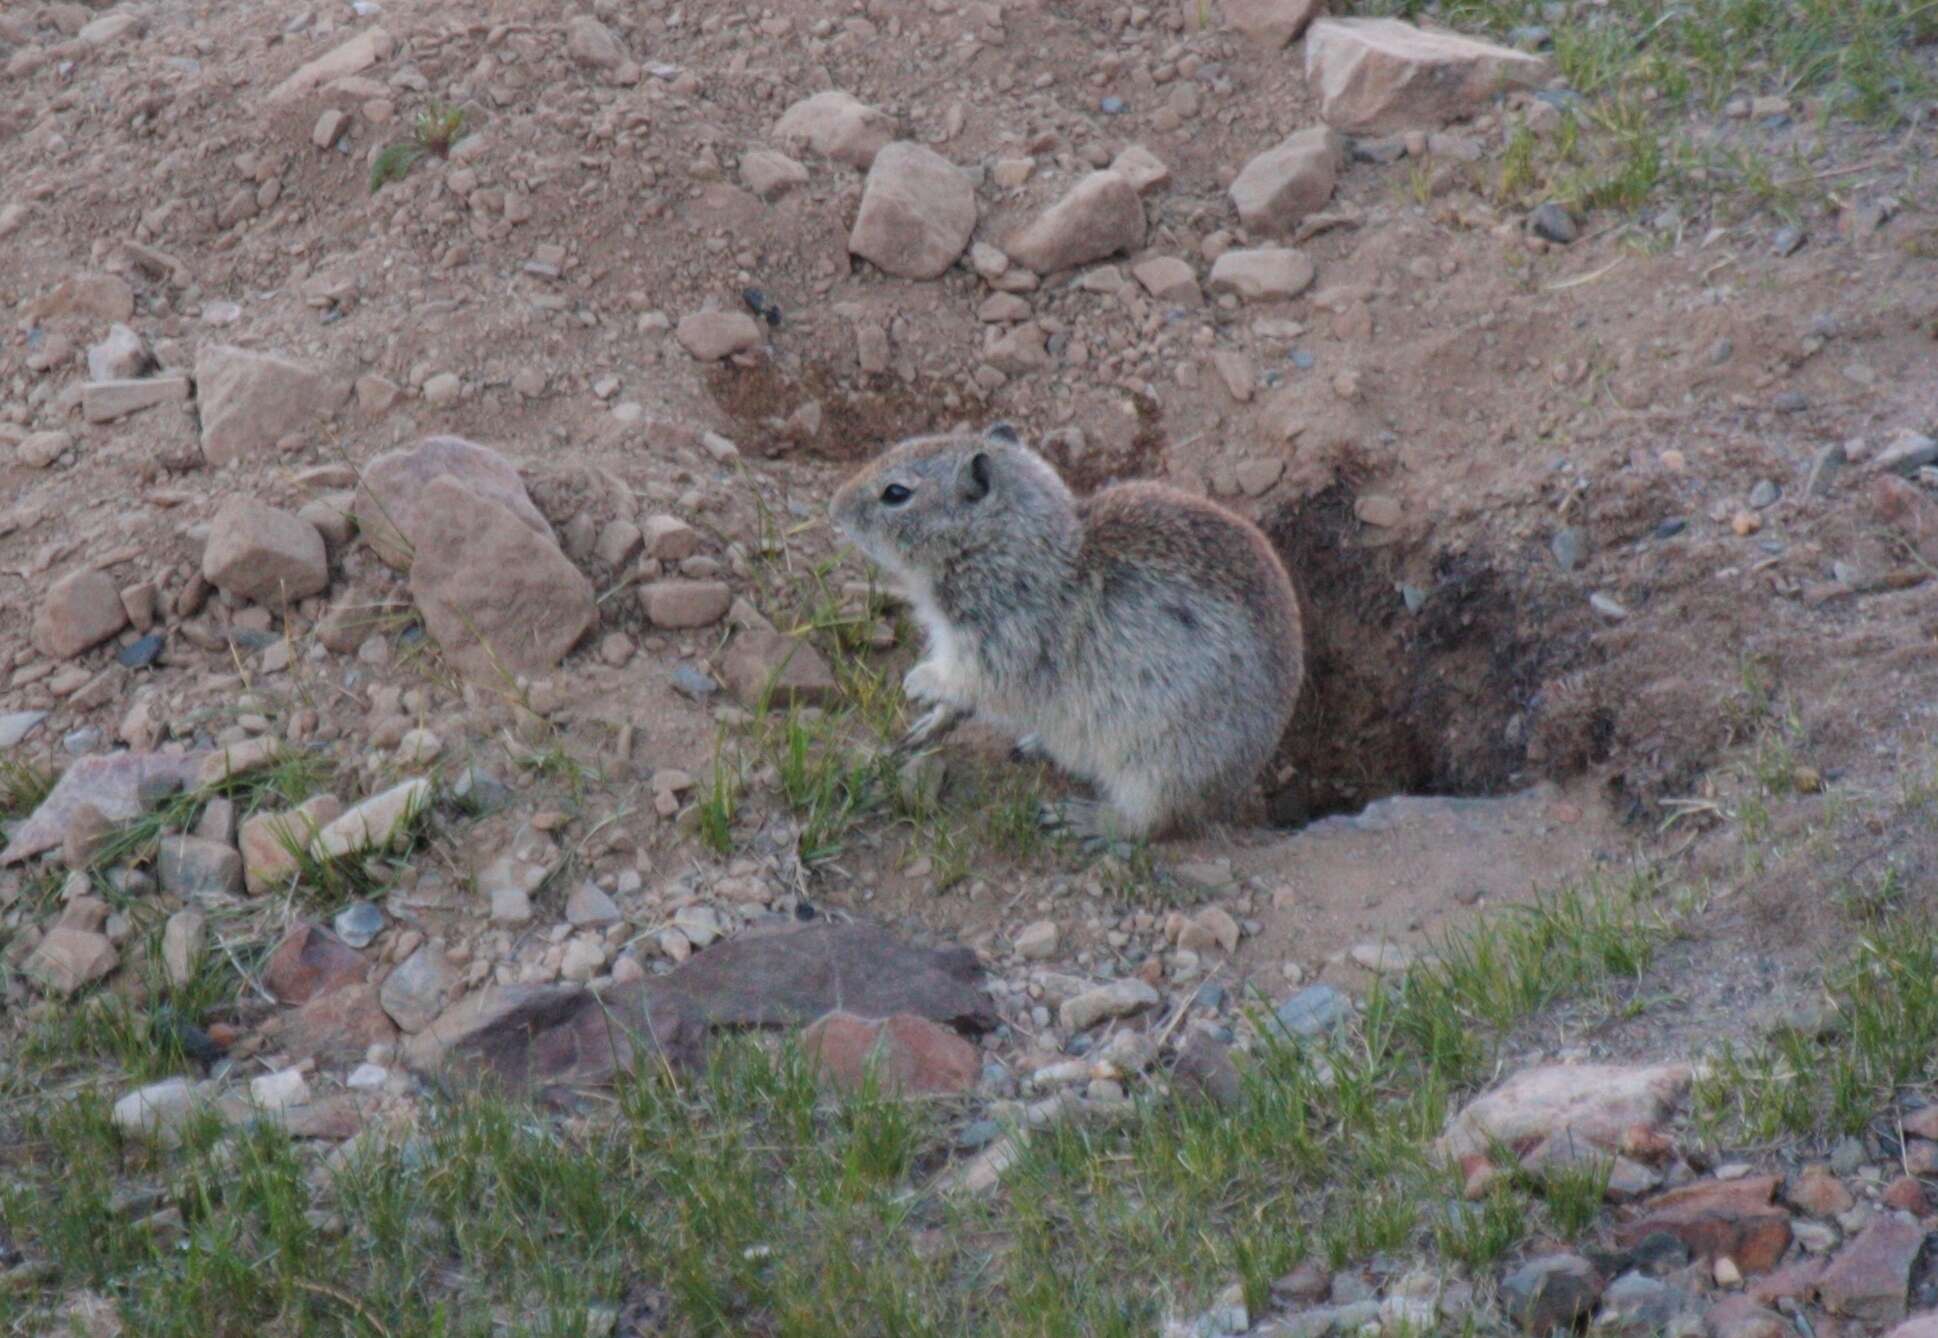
column 929, row 500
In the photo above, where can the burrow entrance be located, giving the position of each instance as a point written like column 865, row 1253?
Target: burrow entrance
column 1439, row 693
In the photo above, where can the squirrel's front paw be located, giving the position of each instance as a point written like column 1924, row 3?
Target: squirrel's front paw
column 928, row 684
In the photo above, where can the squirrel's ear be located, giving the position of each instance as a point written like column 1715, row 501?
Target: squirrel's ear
column 972, row 483
column 1002, row 432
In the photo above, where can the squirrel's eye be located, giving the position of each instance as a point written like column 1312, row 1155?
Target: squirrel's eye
column 894, row 495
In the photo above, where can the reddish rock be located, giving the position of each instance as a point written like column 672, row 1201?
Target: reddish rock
column 1907, row 1195
column 915, row 1056
column 792, row 976
column 68, row 960
column 1573, row 1107
column 526, row 1036
column 1272, row 22
column 1793, row 1282
column 1906, row 509
column 1922, row 1122
column 917, row 213
column 268, row 840
column 1379, row 76
column 81, row 610
column 391, row 499
column 1100, row 216
column 110, row 783
column 783, row 670
column 1920, row 1156
column 352, row 57
column 712, row 335
column 1262, row 274
column 331, row 1118
column 1734, row 1219
column 1281, row 186
column 836, row 125
column 258, row 553
column 1740, row 1317
column 1869, row 1278
column 685, row 604
column 251, row 401
column 311, row 961
column 341, row 1024
column 1817, row 1192
column 499, row 598
column 103, row 296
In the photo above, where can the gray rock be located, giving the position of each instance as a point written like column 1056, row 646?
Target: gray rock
column 1765, row 494
column 1569, row 546
column 589, row 905
column 142, row 653
column 17, row 725
column 1638, row 1304
column 1552, row 1293
column 480, row 791
column 190, row 866
column 358, row 923
column 1788, row 241
column 695, row 683
column 1314, row 1010
column 1120, row 998
column 420, row 988
column 1552, row 223
column 1907, row 453
column 1790, row 401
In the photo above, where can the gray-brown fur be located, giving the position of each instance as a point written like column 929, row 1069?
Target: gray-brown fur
column 1146, row 640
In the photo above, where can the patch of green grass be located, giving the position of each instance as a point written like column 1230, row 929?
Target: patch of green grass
column 749, row 1199
column 22, row 786
column 1580, row 939
column 437, row 128
column 1573, row 1194
column 556, row 765
column 1643, row 68
column 1882, row 1039
column 1478, row 1234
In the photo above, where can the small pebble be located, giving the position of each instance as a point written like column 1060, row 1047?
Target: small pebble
column 1608, row 606
column 1552, row 223
column 1790, row 401
column 1787, row 241
column 359, row 923
column 1569, row 547
column 140, row 654
column 691, row 682
column 1671, row 527
column 762, row 305
column 1113, row 107
column 1764, row 494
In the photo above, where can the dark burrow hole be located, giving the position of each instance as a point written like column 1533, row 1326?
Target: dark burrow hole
column 1442, row 698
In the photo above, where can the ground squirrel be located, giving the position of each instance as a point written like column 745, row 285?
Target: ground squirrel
column 1143, row 639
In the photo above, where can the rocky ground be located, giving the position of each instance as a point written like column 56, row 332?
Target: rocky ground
column 424, row 657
